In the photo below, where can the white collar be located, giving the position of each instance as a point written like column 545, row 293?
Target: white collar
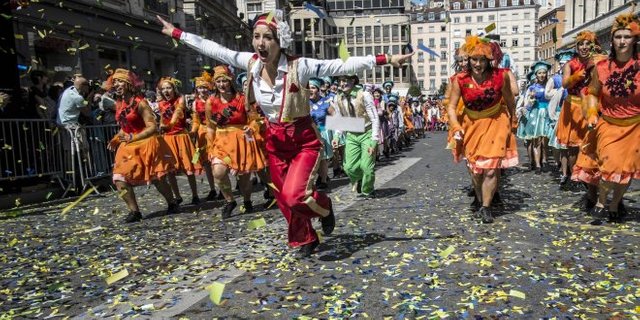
column 282, row 65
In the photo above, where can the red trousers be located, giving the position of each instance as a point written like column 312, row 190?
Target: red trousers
column 294, row 157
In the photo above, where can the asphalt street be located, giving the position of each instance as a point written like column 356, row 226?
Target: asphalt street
column 414, row 252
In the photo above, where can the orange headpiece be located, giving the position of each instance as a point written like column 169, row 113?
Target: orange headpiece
column 204, row 80
column 122, row 75
column 222, row 71
column 627, row 21
column 173, row 81
column 586, row 35
column 476, row 46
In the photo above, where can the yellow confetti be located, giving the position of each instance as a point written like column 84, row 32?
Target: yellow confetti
column 122, row 193
column 517, row 294
column 13, row 242
column 320, row 236
column 49, row 195
column 215, row 292
column 444, row 254
column 257, row 223
column 117, row 276
column 273, row 186
column 86, row 46
column 269, row 17
column 343, row 52
column 73, row 204
column 18, row 36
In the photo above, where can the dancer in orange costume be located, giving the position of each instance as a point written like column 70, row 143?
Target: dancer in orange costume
column 199, row 126
column 142, row 156
column 485, row 131
column 173, row 126
column 614, row 90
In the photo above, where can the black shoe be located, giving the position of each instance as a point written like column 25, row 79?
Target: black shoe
column 615, row 217
column 538, row 171
column 564, row 183
column 247, row 207
column 195, row 201
column 322, row 186
column 475, row 205
column 133, row 216
column 266, row 194
column 179, row 200
column 269, row 203
column 328, row 222
column 585, row 204
column 307, row 249
column 212, row 195
column 497, row 200
column 598, row 212
column 359, row 186
column 228, row 208
column 220, row 196
column 485, row 215
column 174, row 208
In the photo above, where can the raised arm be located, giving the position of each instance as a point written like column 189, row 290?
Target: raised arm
column 207, row 47
column 314, row 68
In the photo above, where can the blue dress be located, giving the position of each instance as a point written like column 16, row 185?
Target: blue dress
column 538, row 122
column 319, row 111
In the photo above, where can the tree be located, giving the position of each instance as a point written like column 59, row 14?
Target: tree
column 414, row 91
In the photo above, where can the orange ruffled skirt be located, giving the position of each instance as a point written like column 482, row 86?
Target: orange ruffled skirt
column 203, row 145
column 572, row 127
column 488, row 142
column 234, row 149
column 618, row 149
column 586, row 167
column 143, row 161
column 183, row 150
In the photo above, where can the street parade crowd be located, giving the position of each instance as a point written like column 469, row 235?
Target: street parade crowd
column 266, row 114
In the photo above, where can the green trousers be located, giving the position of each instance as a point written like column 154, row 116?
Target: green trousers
column 358, row 163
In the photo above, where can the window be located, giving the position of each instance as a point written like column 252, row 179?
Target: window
column 432, row 42
column 527, row 2
column 479, row 5
column 456, row 6
column 431, row 16
column 467, row 32
column 456, row 20
column 514, row 29
column 527, row 15
column 527, row 42
column 492, row 3
column 443, row 15
column 420, row 56
column 420, row 29
column 503, row 3
column 432, row 84
column 503, row 43
column 431, row 29
column 514, row 2
column 443, row 28
column 492, row 17
column 443, row 55
column 456, row 45
column 377, row 34
column 158, row 6
column 479, row 18
column 443, row 42
column 467, row 5
column 432, row 70
column 443, row 69
column 456, row 33
column 526, row 69
column 253, row 9
column 514, row 42
column 467, row 19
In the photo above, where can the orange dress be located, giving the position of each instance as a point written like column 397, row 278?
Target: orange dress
column 142, row 161
column 572, row 126
column 408, row 119
column 488, row 142
column 232, row 147
column 618, row 129
column 177, row 137
column 200, row 125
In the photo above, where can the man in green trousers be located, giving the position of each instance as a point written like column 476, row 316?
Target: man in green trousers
column 360, row 147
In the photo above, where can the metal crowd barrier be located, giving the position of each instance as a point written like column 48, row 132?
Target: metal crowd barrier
column 30, row 149
column 86, row 156
column 74, row 156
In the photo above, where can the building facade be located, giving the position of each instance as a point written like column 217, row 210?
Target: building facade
column 218, row 20
column 549, row 33
column 313, row 37
column 594, row 15
column 249, row 9
column 91, row 38
column 443, row 25
column 374, row 27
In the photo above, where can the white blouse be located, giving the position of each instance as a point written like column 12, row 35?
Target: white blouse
column 270, row 98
